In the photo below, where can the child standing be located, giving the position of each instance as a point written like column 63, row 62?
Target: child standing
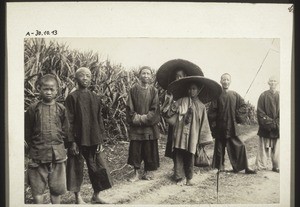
column 85, row 139
column 45, row 131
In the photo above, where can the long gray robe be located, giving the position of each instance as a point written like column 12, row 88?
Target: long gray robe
column 188, row 136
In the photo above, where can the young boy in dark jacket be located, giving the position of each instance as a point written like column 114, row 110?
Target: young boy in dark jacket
column 45, row 131
column 85, row 139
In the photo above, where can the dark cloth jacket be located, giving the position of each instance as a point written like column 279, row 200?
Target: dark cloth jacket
column 85, row 117
column 45, row 131
column 223, row 114
column 145, row 102
column 268, row 114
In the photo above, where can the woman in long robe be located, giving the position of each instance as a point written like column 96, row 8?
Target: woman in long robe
column 190, row 129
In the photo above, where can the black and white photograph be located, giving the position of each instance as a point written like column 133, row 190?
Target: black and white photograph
column 189, row 116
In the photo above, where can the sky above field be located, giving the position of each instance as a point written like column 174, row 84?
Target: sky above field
column 241, row 58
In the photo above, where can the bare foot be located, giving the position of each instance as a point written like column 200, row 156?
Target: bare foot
column 78, row 198
column 198, row 172
column 180, row 182
column 260, row 169
column 97, row 200
column 133, row 179
column 189, row 182
column 147, row 176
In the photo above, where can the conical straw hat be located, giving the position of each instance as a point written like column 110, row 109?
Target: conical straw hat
column 209, row 89
column 166, row 73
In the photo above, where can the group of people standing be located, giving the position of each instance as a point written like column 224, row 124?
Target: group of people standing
column 50, row 127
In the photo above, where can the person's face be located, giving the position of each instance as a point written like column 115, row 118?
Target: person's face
column 225, row 81
column 193, row 91
column 48, row 90
column 180, row 74
column 272, row 83
column 145, row 76
column 84, row 78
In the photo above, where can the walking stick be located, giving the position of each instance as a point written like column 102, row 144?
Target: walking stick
column 218, row 185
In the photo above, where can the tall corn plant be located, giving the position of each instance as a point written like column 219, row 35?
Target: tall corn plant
column 111, row 82
column 40, row 59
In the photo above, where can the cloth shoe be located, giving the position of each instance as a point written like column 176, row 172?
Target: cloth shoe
column 250, row 171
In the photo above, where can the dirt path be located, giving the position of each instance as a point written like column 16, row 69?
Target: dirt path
column 233, row 188
column 262, row 188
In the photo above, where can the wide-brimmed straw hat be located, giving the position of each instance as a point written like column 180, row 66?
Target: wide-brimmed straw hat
column 166, row 73
column 209, row 89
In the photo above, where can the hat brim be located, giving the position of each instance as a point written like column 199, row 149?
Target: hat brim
column 210, row 89
column 166, row 73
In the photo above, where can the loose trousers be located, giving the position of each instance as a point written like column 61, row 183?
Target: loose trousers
column 144, row 150
column 183, row 164
column 267, row 148
column 98, row 171
column 236, row 151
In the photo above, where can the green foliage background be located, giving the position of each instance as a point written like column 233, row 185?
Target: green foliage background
column 110, row 81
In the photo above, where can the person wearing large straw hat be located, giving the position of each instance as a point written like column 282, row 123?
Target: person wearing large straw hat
column 224, row 112
column 191, row 127
column 143, row 116
column 167, row 73
column 170, row 71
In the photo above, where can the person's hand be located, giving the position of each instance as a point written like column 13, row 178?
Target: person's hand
column 136, row 119
column 168, row 101
column 273, row 126
column 74, row 149
column 169, row 98
column 144, row 118
column 99, row 148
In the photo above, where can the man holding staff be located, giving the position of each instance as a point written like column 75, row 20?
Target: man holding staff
column 224, row 113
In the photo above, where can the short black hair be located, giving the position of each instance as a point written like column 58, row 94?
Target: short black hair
column 48, row 77
column 143, row 68
column 199, row 85
column 225, row 74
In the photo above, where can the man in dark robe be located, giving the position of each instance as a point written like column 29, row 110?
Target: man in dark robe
column 224, row 113
column 85, row 139
column 268, row 132
column 143, row 116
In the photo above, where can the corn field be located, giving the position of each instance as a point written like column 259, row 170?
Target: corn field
column 110, row 81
